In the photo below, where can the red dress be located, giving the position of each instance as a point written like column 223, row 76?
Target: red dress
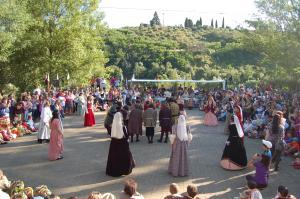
column 89, row 118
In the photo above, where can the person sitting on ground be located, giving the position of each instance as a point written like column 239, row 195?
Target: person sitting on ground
column 29, row 192
column 283, row 193
column 95, row 195
column 130, row 191
column 261, row 170
column 255, row 193
column 108, row 196
column 55, row 197
column 245, row 194
column 192, row 192
column 174, row 190
column 4, row 184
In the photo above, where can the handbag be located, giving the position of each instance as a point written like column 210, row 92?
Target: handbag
column 172, row 138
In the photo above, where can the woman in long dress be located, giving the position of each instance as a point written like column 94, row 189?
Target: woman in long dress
column 56, row 145
column 234, row 155
column 178, row 164
column 120, row 161
column 210, row 119
column 89, row 118
column 44, row 128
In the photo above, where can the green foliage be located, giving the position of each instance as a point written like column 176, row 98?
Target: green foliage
column 62, row 37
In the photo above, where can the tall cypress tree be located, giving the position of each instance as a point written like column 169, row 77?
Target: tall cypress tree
column 212, row 23
column 186, row 21
column 216, row 24
column 201, row 21
column 223, row 23
column 155, row 21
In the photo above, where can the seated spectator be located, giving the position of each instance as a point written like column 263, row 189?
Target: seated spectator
column 130, row 191
column 4, row 184
column 245, row 194
column 283, row 193
column 95, row 195
column 192, row 192
column 29, row 193
column 55, row 197
column 254, row 192
column 108, row 196
column 261, row 170
column 174, row 190
column 42, row 191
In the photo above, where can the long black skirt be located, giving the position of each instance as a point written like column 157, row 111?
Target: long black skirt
column 149, row 131
column 120, row 161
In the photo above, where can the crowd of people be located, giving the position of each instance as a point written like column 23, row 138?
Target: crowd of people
column 18, row 190
column 261, row 113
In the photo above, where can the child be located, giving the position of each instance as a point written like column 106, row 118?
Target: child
column 267, row 145
column 4, row 184
column 283, row 193
column 30, row 124
column 254, row 192
column 174, row 190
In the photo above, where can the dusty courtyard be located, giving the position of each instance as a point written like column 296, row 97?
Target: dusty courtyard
column 83, row 168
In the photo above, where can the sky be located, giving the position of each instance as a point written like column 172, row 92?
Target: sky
column 120, row 13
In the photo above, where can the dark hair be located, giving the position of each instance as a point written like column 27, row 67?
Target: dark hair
column 130, row 187
column 251, row 184
column 265, row 160
column 275, row 124
column 283, row 191
column 126, row 108
column 192, row 190
column 151, row 105
column 55, row 115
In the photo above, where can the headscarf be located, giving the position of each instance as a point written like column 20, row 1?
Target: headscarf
column 181, row 129
column 117, row 126
column 238, row 126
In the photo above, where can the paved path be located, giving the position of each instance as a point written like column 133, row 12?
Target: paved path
column 83, row 168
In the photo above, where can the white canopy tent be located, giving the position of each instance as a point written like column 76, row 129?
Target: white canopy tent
column 179, row 80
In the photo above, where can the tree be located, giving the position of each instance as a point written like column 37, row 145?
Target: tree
column 199, row 23
column 223, row 23
column 286, row 13
column 212, row 23
column 188, row 23
column 62, row 37
column 216, row 24
column 13, row 22
column 155, row 21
